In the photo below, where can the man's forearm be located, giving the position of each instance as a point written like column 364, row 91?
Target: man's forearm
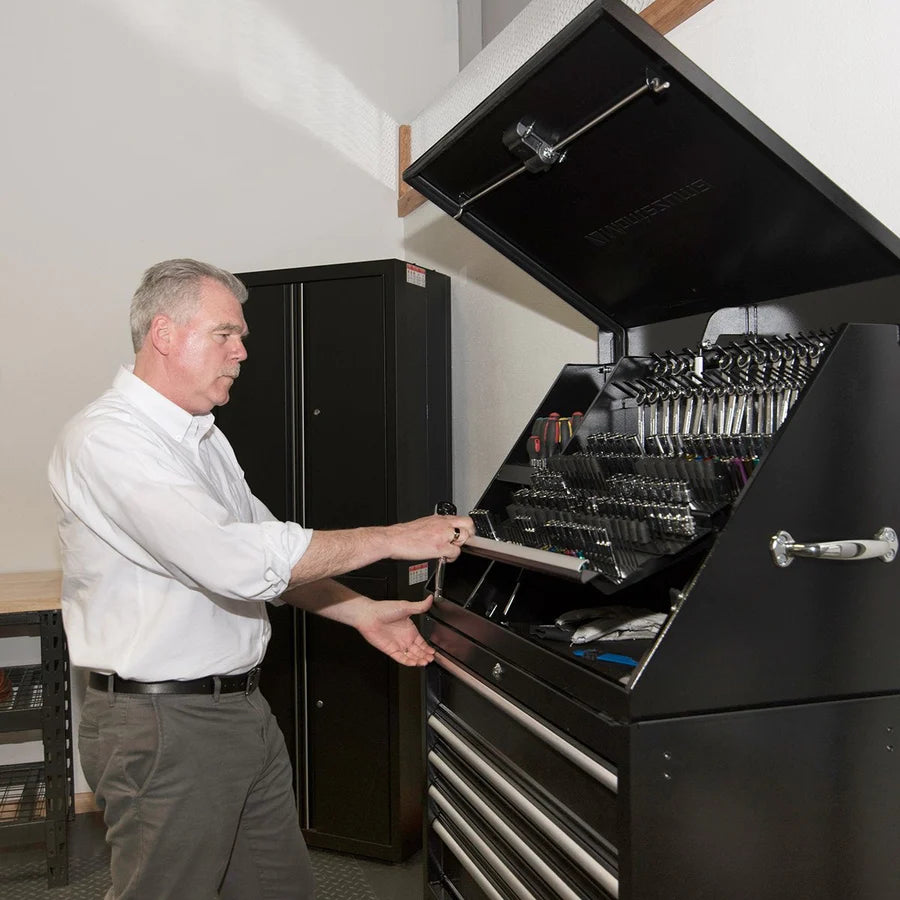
column 330, row 599
column 385, row 624
column 333, row 553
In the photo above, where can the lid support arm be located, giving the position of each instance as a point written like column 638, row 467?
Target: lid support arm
column 551, row 153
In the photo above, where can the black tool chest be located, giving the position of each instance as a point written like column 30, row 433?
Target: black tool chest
column 730, row 500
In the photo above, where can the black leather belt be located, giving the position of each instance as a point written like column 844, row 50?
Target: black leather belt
column 228, row 684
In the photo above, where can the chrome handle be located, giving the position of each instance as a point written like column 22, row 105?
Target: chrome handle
column 481, row 845
column 883, row 547
column 607, row 777
column 514, row 796
column 500, row 827
column 467, row 862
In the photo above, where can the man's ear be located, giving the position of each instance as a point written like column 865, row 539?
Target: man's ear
column 160, row 334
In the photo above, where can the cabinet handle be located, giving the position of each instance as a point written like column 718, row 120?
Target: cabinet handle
column 481, row 845
column 883, row 547
column 467, row 862
column 596, row 770
column 497, row 824
column 536, row 816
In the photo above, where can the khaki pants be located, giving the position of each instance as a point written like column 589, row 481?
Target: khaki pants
column 196, row 793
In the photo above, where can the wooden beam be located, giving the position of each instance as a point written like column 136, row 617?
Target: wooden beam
column 408, row 199
column 663, row 15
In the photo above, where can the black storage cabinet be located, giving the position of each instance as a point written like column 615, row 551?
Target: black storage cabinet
column 751, row 753
column 341, row 418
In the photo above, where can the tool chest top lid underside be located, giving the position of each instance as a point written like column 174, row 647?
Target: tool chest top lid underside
column 674, row 200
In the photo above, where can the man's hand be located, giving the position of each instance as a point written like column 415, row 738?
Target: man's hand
column 430, row 537
column 387, row 626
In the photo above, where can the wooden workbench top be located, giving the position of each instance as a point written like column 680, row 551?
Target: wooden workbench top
column 29, row 591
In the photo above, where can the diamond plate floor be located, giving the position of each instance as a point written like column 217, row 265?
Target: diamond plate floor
column 23, row 873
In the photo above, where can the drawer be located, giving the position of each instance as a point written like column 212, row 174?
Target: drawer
column 503, row 783
column 524, row 682
column 567, row 777
column 503, row 833
column 455, row 872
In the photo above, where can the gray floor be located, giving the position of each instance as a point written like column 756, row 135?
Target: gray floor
column 23, row 873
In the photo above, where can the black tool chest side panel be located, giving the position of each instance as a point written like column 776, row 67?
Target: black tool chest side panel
column 750, row 633
column 781, row 804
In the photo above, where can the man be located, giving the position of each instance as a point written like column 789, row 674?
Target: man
column 168, row 562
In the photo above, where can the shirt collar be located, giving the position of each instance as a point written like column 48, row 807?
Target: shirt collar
column 177, row 422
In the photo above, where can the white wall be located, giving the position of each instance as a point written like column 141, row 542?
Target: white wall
column 250, row 133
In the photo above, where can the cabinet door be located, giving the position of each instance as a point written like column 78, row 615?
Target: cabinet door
column 342, row 341
column 258, row 419
column 349, row 729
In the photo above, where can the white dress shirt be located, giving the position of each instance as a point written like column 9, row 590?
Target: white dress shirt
column 168, row 559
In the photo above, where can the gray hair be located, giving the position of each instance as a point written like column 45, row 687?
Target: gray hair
column 172, row 288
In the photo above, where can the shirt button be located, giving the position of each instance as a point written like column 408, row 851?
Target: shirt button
column 270, row 575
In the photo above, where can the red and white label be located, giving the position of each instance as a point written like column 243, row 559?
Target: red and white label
column 415, row 275
column 418, row 573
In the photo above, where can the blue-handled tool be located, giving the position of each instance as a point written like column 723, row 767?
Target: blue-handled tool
column 606, row 657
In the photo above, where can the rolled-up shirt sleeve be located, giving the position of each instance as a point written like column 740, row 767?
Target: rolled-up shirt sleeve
column 155, row 511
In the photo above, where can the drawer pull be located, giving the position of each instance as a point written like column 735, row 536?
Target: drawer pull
column 497, row 824
column 599, row 772
column 536, row 816
column 483, row 847
column 467, row 862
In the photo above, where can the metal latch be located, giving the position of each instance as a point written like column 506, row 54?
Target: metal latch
column 537, row 153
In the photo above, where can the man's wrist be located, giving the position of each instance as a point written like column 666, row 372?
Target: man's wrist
column 378, row 541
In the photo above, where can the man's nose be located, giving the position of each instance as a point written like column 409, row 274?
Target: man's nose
column 240, row 351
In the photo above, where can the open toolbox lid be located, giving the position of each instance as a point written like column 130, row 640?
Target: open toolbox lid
column 678, row 201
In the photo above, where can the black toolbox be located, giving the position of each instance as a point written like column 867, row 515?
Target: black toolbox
column 738, row 497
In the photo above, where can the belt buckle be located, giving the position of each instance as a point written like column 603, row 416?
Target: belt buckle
column 252, row 681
